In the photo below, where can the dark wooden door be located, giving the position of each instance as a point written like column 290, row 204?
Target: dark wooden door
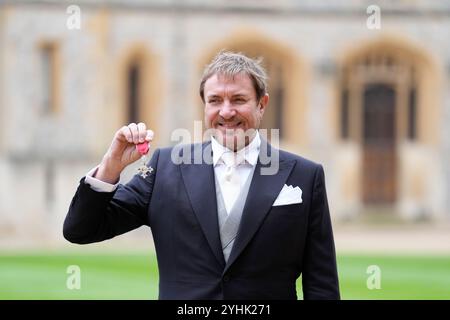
column 379, row 149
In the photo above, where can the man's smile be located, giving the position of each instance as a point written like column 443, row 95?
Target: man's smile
column 232, row 125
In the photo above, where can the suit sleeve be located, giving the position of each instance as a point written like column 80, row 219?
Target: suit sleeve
column 96, row 216
column 320, row 277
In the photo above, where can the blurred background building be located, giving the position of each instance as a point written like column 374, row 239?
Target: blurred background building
column 371, row 104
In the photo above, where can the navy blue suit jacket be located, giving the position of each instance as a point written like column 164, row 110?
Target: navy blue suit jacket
column 274, row 245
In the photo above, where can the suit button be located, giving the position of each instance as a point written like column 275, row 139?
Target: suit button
column 226, row 278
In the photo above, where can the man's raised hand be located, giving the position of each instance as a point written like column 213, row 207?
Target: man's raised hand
column 123, row 151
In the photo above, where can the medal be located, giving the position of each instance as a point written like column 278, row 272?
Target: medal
column 144, row 170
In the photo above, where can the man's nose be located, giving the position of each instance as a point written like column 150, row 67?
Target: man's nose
column 227, row 111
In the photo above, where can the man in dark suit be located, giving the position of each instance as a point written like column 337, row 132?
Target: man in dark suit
column 228, row 227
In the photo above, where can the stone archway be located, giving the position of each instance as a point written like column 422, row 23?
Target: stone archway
column 386, row 102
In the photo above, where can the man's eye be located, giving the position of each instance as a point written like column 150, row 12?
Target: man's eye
column 240, row 100
column 213, row 101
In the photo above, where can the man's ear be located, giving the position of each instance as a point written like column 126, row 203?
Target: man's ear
column 263, row 103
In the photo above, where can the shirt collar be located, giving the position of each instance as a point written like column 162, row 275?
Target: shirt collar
column 250, row 152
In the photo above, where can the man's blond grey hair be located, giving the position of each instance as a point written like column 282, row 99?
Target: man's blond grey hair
column 230, row 64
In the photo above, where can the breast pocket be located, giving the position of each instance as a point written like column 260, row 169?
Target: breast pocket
column 295, row 210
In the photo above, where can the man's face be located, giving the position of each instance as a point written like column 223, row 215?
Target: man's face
column 231, row 108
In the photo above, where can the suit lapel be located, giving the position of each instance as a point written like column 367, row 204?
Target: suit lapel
column 200, row 186
column 263, row 191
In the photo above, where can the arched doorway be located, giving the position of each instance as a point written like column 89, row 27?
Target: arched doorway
column 382, row 89
column 378, row 144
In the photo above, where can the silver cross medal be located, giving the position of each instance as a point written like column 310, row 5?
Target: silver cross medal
column 144, row 170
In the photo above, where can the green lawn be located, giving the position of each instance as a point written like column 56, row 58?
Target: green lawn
column 135, row 276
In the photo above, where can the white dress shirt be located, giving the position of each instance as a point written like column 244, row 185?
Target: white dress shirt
column 99, row 185
column 250, row 153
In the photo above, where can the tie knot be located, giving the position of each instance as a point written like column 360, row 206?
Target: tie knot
column 231, row 159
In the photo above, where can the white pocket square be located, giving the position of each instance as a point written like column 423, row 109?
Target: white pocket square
column 288, row 195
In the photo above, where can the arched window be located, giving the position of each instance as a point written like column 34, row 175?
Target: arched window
column 50, row 78
column 273, row 117
column 134, row 79
column 139, row 92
